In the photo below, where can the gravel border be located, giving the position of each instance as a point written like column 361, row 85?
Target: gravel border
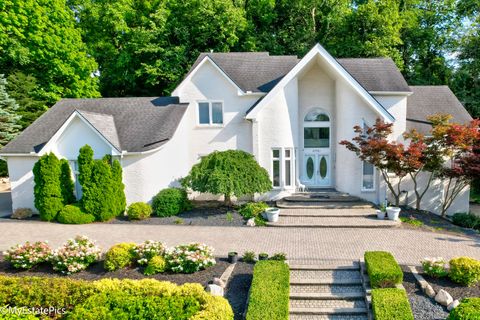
column 238, row 288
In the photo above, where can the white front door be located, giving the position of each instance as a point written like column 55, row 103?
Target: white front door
column 316, row 170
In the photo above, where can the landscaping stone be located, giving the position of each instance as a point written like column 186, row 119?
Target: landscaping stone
column 219, row 282
column 453, row 305
column 215, row 290
column 251, row 222
column 443, row 297
column 429, row 291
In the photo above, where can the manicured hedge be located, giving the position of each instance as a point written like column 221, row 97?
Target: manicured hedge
column 382, row 269
column 72, row 214
column 115, row 298
column 171, row 201
column 391, row 303
column 270, row 290
column 469, row 309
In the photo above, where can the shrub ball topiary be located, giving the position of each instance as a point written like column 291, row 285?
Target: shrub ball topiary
column 119, row 256
column 156, row 265
column 72, row 214
column 465, row 271
column 170, row 202
column 139, row 211
column 469, row 309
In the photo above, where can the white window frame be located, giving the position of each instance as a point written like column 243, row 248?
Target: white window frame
column 292, row 166
column 76, row 183
column 210, row 118
column 280, row 167
column 374, row 179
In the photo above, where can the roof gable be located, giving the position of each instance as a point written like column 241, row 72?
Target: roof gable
column 319, row 51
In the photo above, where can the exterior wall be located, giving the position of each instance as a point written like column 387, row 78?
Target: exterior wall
column 21, row 181
column 397, row 106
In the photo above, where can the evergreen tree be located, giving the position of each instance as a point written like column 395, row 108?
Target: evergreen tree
column 85, row 165
column 9, row 120
column 119, row 187
column 47, row 189
column 66, row 182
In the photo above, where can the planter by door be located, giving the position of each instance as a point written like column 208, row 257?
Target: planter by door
column 272, row 214
column 393, row 213
column 380, row 214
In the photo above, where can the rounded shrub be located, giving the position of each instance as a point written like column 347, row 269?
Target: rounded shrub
column 139, row 211
column 465, row 271
column 119, row 256
column 72, row 214
column 156, row 265
column 469, row 309
column 170, row 202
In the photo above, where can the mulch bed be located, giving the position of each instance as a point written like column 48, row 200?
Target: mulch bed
column 423, row 307
column 97, row 272
column 435, row 223
column 456, row 291
column 238, row 288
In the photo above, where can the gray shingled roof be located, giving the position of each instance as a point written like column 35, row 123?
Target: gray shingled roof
column 429, row 100
column 134, row 124
column 260, row 72
column 376, row 74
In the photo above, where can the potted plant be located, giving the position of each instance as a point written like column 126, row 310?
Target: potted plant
column 272, row 214
column 393, row 213
column 233, row 257
column 381, row 212
column 263, row 256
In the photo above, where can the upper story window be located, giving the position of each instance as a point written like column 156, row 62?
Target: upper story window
column 317, row 115
column 210, row 113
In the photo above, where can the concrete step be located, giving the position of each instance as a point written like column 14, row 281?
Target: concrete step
column 328, row 304
column 327, row 317
column 328, row 311
column 353, row 266
column 312, row 212
column 326, row 295
column 326, row 281
column 332, row 222
column 321, row 197
column 325, row 276
column 324, row 204
column 332, row 289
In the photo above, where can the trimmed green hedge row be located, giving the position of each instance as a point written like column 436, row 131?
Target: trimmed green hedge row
column 382, row 269
column 391, row 303
column 270, row 291
column 469, row 309
column 114, row 298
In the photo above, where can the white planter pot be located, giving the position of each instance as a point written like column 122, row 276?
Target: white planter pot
column 272, row 214
column 380, row 214
column 393, row 213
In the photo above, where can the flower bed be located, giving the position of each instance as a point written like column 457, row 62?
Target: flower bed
column 114, row 299
column 189, row 258
column 28, row 255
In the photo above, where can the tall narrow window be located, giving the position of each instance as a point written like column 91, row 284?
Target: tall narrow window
column 368, row 181
column 288, row 167
column 210, row 113
column 276, row 167
column 78, row 187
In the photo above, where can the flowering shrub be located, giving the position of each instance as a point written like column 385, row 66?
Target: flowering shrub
column 144, row 252
column 28, row 255
column 435, row 267
column 75, row 255
column 189, row 258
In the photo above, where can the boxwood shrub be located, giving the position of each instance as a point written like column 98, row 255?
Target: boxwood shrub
column 139, row 211
column 466, row 220
column 115, row 298
column 469, row 309
column 382, row 269
column 72, row 214
column 119, row 256
column 171, row 201
column 270, row 290
column 465, row 270
column 391, row 303
column 252, row 209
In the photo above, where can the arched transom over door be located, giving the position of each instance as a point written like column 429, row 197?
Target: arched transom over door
column 316, row 149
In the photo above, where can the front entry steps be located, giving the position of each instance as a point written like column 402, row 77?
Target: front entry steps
column 328, row 199
column 319, row 291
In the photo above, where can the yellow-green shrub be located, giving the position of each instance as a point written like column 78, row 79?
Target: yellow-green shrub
column 119, row 256
column 391, row 303
column 156, row 265
column 469, row 309
column 465, row 270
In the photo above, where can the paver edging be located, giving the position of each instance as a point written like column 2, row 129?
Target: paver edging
column 218, row 285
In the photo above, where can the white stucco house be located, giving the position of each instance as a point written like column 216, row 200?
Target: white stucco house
column 290, row 113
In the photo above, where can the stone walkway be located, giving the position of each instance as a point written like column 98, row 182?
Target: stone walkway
column 308, row 244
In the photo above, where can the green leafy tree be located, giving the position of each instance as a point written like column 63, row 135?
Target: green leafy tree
column 40, row 38
column 145, row 47
column 47, row 189
column 28, row 94
column 66, row 183
column 229, row 173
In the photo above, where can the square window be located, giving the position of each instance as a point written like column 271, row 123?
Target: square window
column 276, row 153
column 203, row 113
column 287, row 153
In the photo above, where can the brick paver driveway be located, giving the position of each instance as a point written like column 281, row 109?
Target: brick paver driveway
column 408, row 246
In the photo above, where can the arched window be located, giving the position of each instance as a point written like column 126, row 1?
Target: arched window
column 317, row 115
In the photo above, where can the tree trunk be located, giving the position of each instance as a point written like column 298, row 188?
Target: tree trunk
column 228, row 199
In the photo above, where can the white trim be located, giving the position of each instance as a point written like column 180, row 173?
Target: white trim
column 65, row 125
column 391, row 93
column 210, row 124
column 292, row 171
column 279, row 159
column 374, row 188
column 319, row 50
column 240, row 92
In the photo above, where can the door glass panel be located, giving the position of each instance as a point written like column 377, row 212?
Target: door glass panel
column 310, row 167
column 323, row 168
column 316, row 137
